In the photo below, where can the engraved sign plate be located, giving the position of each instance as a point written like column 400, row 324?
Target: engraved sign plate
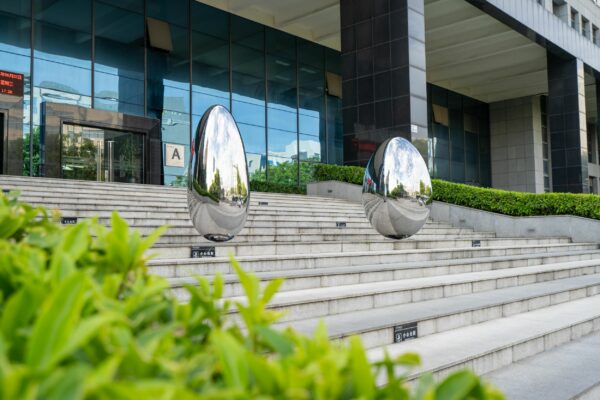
column 68, row 220
column 340, row 224
column 406, row 332
column 476, row 243
column 203, row 252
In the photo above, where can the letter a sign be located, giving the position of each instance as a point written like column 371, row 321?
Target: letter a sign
column 174, row 155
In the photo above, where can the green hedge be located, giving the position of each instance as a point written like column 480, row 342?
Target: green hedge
column 81, row 318
column 272, row 187
column 517, row 203
column 341, row 173
column 494, row 200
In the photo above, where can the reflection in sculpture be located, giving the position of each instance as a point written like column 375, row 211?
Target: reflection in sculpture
column 397, row 189
column 218, row 195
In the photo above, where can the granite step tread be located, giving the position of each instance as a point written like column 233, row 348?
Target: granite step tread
column 566, row 372
column 342, row 325
column 494, row 344
column 420, row 266
column 306, row 296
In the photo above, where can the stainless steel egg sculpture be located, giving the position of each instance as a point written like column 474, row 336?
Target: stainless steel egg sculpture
column 397, row 189
column 218, row 190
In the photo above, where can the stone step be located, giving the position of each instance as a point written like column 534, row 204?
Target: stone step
column 568, row 371
column 340, row 276
column 376, row 326
column 95, row 200
column 497, row 343
column 338, row 243
column 321, row 302
column 277, row 263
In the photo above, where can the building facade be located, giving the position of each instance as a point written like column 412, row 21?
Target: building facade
column 492, row 93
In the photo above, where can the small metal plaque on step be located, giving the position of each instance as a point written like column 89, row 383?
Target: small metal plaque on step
column 5, row 191
column 203, row 252
column 340, row 224
column 68, row 220
column 475, row 243
column 406, row 332
column 263, row 203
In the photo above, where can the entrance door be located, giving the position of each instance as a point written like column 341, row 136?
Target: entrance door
column 2, row 139
column 103, row 155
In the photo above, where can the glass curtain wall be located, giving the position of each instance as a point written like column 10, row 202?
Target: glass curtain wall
column 459, row 139
column 15, row 56
column 97, row 53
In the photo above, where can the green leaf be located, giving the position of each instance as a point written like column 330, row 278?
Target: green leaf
column 276, row 340
column 56, row 322
column 232, row 358
column 457, row 386
column 362, row 375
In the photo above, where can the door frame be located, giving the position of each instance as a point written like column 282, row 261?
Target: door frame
column 12, row 107
column 54, row 115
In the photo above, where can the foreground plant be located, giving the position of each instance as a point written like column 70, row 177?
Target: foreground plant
column 80, row 318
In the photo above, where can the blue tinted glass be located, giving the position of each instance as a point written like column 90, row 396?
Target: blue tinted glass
column 132, row 5
column 248, row 75
column 210, row 72
column 283, row 145
column 119, row 60
column 311, row 54
column 255, row 145
column 311, row 148
column 210, row 20
column 335, row 132
column 62, row 53
column 168, row 75
column 282, row 119
column 281, row 44
column 172, row 11
column 281, row 73
column 247, row 33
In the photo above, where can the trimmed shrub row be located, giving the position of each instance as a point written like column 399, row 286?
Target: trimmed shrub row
column 272, row 187
column 516, row 203
column 494, row 200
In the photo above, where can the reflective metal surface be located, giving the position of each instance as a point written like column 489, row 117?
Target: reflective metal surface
column 218, row 187
column 397, row 189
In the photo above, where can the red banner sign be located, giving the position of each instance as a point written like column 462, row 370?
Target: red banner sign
column 11, row 83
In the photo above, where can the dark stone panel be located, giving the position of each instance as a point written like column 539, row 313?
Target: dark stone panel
column 365, row 90
column 348, row 39
column 349, row 90
column 381, row 86
column 381, row 57
column 364, row 62
column 567, row 144
column 383, row 114
column 364, row 34
column 381, row 7
column 379, row 100
column 381, row 29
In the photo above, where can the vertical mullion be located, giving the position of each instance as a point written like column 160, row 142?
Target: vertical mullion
column 266, row 85
column 191, row 76
column 146, row 60
column 297, row 111
column 31, row 53
column 93, row 70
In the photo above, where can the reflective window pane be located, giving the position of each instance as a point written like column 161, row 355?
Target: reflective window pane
column 119, row 60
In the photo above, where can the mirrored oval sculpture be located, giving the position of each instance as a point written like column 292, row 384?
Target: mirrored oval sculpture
column 397, row 189
column 218, row 190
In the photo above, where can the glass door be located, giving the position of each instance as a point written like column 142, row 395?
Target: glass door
column 103, row 155
column 2, row 139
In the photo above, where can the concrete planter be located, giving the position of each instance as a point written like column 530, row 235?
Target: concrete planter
column 577, row 228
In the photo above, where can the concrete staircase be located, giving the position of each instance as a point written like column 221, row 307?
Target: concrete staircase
column 475, row 300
